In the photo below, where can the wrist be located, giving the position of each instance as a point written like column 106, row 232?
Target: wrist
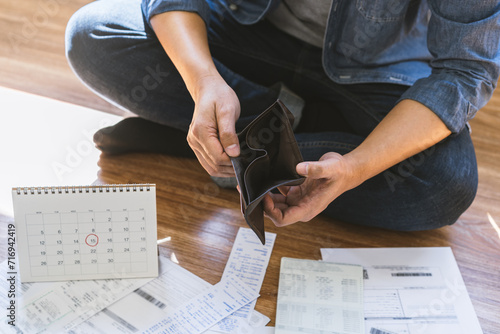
column 203, row 81
column 356, row 170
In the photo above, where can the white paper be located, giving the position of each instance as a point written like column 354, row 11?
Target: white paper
column 411, row 290
column 206, row 309
column 77, row 233
column 57, row 306
column 154, row 301
column 319, row 298
column 248, row 261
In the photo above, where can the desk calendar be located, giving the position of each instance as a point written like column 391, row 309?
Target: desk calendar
column 92, row 232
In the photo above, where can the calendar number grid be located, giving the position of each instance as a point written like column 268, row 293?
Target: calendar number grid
column 87, row 243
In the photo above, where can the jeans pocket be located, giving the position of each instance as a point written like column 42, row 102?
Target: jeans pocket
column 384, row 10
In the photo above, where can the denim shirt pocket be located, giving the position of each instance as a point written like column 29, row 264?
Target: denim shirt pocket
column 378, row 33
column 249, row 12
column 384, row 10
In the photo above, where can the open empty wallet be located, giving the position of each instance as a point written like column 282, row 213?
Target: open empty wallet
column 269, row 155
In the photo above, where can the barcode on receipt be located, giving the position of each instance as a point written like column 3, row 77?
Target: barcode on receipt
column 378, row 331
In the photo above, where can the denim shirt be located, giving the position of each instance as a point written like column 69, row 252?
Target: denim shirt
column 446, row 50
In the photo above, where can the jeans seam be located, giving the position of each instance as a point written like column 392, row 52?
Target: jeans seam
column 325, row 143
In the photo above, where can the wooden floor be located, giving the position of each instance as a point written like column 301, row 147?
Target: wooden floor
column 201, row 219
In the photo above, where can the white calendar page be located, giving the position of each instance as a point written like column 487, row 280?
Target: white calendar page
column 94, row 232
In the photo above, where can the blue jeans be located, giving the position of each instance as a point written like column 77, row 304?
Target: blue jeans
column 117, row 55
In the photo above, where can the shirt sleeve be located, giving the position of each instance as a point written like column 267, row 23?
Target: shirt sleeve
column 151, row 8
column 463, row 39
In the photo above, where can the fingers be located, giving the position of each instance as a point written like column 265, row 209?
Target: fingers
column 304, row 202
column 210, row 149
column 212, row 134
column 284, row 190
column 272, row 211
column 313, row 170
column 205, row 142
column 220, row 171
column 302, row 168
column 319, row 169
column 227, row 133
column 280, row 212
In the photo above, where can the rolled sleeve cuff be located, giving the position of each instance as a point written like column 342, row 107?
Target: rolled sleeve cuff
column 449, row 100
column 151, row 8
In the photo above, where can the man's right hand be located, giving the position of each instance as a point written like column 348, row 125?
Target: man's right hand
column 212, row 134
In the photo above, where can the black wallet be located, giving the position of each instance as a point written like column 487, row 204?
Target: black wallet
column 269, row 155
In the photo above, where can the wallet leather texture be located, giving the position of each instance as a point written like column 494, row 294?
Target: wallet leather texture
column 268, row 156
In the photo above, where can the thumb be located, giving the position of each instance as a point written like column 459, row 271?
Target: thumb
column 313, row 169
column 228, row 137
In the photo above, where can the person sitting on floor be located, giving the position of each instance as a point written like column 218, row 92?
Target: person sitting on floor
column 383, row 91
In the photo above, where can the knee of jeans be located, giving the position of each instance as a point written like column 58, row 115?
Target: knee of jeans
column 456, row 196
column 80, row 45
column 448, row 194
column 434, row 195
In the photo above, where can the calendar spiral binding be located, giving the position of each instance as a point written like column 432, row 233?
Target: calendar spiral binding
column 105, row 188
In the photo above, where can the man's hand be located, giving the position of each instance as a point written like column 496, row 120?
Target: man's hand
column 326, row 179
column 408, row 129
column 212, row 134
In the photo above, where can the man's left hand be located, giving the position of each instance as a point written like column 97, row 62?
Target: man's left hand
column 326, row 179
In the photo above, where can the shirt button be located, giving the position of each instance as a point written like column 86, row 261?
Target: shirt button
column 233, row 7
